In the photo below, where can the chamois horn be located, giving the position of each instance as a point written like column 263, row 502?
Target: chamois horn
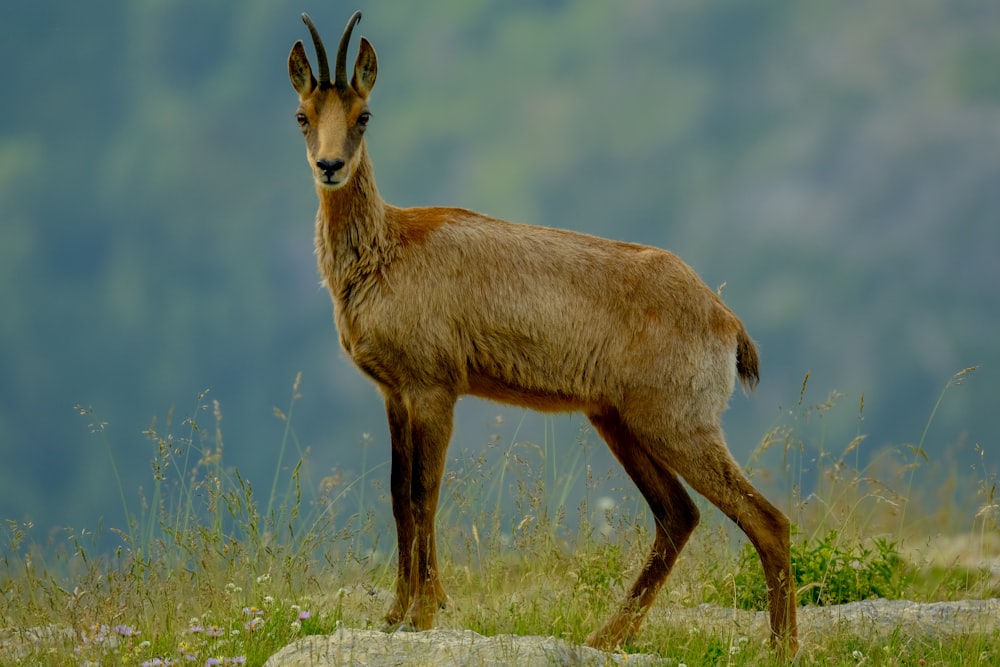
column 324, row 66
column 345, row 39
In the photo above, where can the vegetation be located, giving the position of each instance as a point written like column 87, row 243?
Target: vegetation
column 209, row 572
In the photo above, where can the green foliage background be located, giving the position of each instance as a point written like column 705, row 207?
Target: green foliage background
column 835, row 163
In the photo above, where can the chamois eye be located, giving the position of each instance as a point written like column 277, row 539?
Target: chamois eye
column 301, row 119
column 364, row 118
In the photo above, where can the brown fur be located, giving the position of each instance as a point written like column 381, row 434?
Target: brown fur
column 433, row 303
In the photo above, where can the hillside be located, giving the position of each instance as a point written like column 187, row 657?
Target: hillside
column 836, row 166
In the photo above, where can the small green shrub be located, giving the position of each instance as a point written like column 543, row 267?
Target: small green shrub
column 828, row 570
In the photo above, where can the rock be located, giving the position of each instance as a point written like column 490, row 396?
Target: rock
column 19, row 644
column 867, row 619
column 935, row 620
column 870, row 619
column 443, row 648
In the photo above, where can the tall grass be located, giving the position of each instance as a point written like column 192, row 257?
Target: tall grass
column 532, row 540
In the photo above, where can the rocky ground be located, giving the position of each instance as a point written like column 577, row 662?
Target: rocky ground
column 451, row 648
column 869, row 620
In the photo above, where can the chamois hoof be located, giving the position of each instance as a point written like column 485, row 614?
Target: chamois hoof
column 397, row 626
column 603, row 640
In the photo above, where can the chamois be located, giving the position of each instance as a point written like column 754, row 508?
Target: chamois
column 434, row 303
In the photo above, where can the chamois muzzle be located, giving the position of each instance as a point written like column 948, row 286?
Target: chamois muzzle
column 329, row 169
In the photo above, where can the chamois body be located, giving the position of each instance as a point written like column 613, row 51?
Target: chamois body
column 545, row 318
column 434, row 303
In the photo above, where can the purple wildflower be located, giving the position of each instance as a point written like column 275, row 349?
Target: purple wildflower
column 126, row 631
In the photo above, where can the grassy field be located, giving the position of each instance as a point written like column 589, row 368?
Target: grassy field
column 211, row 571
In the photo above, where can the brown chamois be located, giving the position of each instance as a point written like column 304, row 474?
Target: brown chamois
column 434, row 303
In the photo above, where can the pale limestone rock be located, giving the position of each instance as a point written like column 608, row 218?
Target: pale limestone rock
column 443, row 648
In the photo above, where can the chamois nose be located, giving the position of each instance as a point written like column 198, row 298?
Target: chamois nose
column 330, row 167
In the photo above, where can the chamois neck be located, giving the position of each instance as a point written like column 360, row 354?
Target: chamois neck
column 358, row 199
column 350, row 226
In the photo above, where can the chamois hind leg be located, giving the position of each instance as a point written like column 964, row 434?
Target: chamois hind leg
column 704, row 461
column 675, row 516
column 421, row 425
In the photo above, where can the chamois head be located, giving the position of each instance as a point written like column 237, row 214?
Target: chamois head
column 333, row 115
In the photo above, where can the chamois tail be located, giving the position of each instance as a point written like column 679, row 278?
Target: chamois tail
column 747, row 361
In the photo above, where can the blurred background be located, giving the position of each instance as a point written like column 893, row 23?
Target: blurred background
column 835, row 164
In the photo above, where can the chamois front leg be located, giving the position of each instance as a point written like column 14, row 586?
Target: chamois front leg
column 431, row 423
column 400, row 484
column 420, row 426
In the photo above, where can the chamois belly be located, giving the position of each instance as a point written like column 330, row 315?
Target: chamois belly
column 545, row 401
column 538, row 372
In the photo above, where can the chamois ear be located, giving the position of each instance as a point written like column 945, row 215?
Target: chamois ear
column 300, row 72
column 365, row 70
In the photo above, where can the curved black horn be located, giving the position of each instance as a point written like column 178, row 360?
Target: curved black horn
column 345, row 40
column 324, row 67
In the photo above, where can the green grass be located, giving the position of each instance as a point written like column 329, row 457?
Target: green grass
column 208, row 570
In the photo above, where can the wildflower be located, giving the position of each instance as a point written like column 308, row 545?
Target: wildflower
column 187, row 651
column 296, row 626
column 195, row 628
column 145, row 644
column 254, row 623
column 268, row 600
column 214, row 631
column 126, row 631
column 303, row 615
column 100, row 633
column 264, row 578
column 212, row 662
column 252, row 611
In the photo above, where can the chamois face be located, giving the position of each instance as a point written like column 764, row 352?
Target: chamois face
column 333, row 126
column 333, row 115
